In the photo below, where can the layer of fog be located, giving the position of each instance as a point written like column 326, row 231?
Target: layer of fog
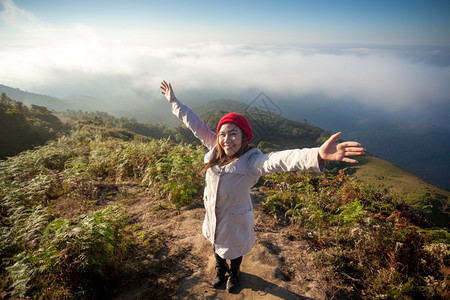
column 131, row 74
column 125, row 68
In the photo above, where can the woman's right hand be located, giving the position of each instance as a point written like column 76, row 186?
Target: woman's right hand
column 167, row 91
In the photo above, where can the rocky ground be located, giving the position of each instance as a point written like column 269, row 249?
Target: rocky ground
column 181, row 263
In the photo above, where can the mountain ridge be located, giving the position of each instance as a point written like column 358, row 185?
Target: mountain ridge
column 426, row 153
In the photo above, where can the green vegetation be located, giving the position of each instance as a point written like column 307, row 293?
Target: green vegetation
column 426, row 199
column 156, row 131
column 76, row 252
column 61, row 258
column 369, row 243
column 64, row 231
column 22, row 127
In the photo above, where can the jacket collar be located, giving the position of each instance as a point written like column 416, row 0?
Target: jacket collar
column 239, row 166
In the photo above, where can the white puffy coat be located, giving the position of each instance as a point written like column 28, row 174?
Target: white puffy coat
column 228, row 223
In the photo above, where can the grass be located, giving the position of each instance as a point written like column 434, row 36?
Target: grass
column 384, row 175
column 426, row 198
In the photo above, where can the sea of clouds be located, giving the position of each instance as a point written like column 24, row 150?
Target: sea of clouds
column 118, row 65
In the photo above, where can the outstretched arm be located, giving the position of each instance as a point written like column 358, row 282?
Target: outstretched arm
column 189, row 117
column 339, row 152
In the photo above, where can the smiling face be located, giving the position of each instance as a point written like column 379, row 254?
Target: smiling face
column 230, row 139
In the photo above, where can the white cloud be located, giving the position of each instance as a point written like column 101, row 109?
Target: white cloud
column 83, row 60
column 15, row 17
column 360, row 51
column 378, row 78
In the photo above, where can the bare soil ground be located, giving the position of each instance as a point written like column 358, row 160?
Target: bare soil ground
column 180, row 264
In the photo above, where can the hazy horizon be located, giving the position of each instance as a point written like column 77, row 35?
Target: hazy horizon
column 390, row 56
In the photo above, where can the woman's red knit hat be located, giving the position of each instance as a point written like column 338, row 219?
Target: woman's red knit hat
column 238, row 120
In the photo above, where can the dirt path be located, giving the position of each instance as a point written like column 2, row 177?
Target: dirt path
column 278, row 266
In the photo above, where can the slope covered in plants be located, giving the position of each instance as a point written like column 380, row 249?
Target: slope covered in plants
column 23, row 127
column 60, row 238
column 92, row 212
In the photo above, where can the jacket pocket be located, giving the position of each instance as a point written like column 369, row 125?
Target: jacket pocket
column 241, row 225
column 241, row 218
column 239, row 210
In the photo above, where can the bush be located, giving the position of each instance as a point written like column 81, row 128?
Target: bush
column 44, row 255
column 368, row 238
column 71, row 258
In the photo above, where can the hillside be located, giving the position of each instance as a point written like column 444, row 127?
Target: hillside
column 271, row 131
column 419, row 147
column 28, row 98
column 104, row 212
column 426, row 198
column 23, row 127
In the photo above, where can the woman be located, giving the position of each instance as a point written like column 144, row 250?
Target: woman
column 232, row 168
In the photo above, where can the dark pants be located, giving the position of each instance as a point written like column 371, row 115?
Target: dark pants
column 221, row 264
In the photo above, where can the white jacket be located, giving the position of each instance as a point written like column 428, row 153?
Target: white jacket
column 228, row 223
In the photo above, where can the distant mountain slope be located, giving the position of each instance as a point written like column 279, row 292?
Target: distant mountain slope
column 28, row 98
column 271, row 131
column 420, row 148
column 23, row 127
column 141, row 109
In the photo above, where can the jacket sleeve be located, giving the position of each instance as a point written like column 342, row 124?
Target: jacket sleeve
column 288, row 160
column 195, row 124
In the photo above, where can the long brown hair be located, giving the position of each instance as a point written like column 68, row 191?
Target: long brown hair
column 221, row 159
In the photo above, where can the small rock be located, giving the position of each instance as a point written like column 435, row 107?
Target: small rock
column 280, row 275
column 291, row 237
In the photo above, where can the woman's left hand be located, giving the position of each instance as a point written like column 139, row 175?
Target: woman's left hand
column 339, row 152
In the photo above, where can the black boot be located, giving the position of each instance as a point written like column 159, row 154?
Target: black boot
column 222, row 269
column 233, row 280
column 232, row 283
column 219, row 279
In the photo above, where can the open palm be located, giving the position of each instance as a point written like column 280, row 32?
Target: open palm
column 339, row 152
column 167, row 91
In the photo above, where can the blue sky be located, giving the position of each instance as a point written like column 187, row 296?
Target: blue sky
column 400, row 22
column 394, row 55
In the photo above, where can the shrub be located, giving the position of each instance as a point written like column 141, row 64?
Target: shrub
column 176, row 173
column 70, row 258
column 369, row 238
